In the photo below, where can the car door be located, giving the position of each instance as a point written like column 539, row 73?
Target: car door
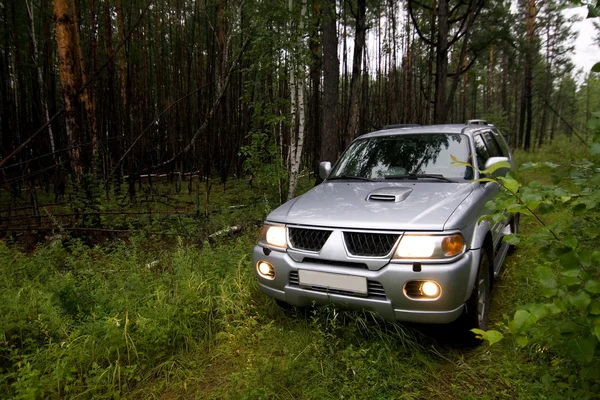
column 486, row 147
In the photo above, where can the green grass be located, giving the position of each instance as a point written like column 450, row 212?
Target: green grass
column 147, row 317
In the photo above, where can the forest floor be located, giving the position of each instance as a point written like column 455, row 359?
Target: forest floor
column 152, row 316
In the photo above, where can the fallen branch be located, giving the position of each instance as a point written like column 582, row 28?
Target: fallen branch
column 231, row 229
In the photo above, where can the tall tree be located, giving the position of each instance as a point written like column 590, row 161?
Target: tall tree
column 70, row 83
column 352, row 125
column 331, row 81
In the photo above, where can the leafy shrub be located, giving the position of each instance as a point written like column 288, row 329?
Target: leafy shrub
column 565, row 322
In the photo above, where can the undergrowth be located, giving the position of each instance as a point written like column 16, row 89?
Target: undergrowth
column 154, row 318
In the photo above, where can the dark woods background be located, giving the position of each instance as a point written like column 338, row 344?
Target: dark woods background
column 97, row 96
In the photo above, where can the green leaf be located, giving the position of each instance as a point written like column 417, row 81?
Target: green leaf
column 593, row 286
column 596, row 331
column 596, row 67
column 522, row 340
column 595, row 147
column 492, row 336
column 551, row 165
column 569, row 260
column 580, row 299
column 545, row 277
column 538, row 311
column 519, row 322
column 571, row 241
column 512, row 239
column 594, row 307
column 495, row 167
column 510, row 184
column 485, row 180
column 582, row 349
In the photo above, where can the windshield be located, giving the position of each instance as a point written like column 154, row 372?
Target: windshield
column 405, row 156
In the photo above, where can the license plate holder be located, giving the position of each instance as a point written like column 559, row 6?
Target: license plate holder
column 327, row 280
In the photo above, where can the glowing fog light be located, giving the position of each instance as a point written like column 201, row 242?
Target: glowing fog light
column 265, row 270
column 430, row 289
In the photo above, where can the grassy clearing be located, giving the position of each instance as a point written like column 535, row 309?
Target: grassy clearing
column 154, row 319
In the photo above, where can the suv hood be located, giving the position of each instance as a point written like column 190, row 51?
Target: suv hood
column 422, row 205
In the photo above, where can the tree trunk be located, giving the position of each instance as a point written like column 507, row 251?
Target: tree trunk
column 40, row 79
column 297, row 110
column 441, row 64
column 530, row 39
column 70, row 83
column 331, row 81
column 359, row 44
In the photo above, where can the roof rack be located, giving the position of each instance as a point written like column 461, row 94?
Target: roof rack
column 395, row 126
column 477, row 122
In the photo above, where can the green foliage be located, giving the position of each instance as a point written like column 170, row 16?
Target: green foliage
column 565, row 318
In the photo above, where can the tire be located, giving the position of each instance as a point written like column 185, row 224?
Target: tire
column 477, row 307
column 514, row 229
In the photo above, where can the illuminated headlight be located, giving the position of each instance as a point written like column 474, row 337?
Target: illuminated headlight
column 430, row 246
column 274, row 235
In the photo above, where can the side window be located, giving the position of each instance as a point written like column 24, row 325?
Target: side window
column 482, row 153
column 492, row 146
column 502, row 142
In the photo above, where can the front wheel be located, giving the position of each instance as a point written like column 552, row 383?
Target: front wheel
column 477, row 307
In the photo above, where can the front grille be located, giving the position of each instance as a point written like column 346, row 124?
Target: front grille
column 308, row 239
column 375, row 289
column 335, row 263
column 369, row 244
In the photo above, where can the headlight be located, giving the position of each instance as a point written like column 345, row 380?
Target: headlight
column 430, row 246
column 273, row 235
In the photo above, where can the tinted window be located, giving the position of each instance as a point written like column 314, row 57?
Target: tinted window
column 502, row 143
column 482, row 153
column 387, row 156
column 492, row 147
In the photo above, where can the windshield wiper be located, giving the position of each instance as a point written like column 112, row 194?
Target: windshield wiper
column 357, row 178
column 420, row 176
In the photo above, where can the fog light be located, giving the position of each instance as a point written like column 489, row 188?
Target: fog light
column 430, row 289
column 265, row 270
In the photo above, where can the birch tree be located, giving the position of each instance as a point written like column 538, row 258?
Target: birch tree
column 298, row 116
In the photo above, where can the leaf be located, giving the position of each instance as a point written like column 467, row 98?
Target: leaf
column 596, row 67
column 519, row 322
column 582, row 349
column 569, row 260
column 580, row 299
column 596, row 331
column 511, row 184
column 571, row 241
column 495, row 167
column 511, row 239
column 538, row 311
column 522, row 340
column 545, row 277
column 595, row 147
column 594, row 307
column 593, row 286
column 486, row 180
column 492, row 336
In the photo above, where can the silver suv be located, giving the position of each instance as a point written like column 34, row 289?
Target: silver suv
column 394, row 228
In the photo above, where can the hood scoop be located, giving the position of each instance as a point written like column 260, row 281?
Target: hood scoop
column 389, row 194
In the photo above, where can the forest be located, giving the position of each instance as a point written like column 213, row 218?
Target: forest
column 143, row 142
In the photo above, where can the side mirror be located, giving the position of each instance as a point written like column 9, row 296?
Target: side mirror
column 324, row 169
column 499, row 165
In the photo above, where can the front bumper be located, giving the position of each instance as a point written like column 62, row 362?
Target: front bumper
column 455, row 279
